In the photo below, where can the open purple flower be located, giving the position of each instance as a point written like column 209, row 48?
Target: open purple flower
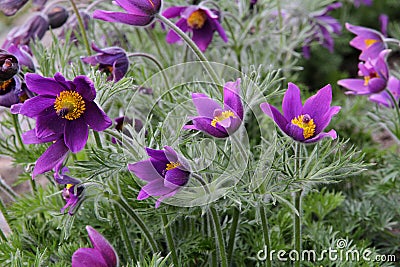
column 369, row 41
column 375, row 76
column 71, row 193
column 215, row 120
column 199, row 20
column 139, row 12
column 112, row 60
column 101, row 255
column 165, row 172
column 323, row 27
column 383, row 98
column 304, row 123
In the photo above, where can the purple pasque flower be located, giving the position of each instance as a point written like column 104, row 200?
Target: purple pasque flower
column 165, row 172
column 369, row 41
column 304, row 123
column 10, row 7
column 9, row 65
column 139, row 12
column 323, row 26
column 101, row 255
column 383, row 98
column 375, row 77
column 215, row 120
column 199, row 20
column 358, row 3
column 57, row 15
column 72, row 193
column 112, row 60
column 23, row 54
column 13, row 91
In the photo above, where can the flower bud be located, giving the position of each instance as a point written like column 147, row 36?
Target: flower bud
column 57, row 15
column 8, row 65
column 10, row 7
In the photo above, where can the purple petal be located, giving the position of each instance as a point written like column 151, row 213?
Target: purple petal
column 332, row 134
column 85, row 257
column 278, row 118
column 157, row 154
column 142, row 195
column 43, row 86
column 232, row 100
column 130, row 19
column 76, row 135
column 173, row 11
column 326, row 119
column 55, row 154
column 130, row 7
column 34, row 106
column 372, row 51
column 103, row 246
column 176, row 177
column 173, row 37
column 317, row 105
column 356, row 85
column 295, row 132
column 156, row 188
column 203, row 37
column 205, row 106
column 85, row 87
column 291, row 104
column 204, row 124
column 216, row 25
column 30, row 137
column 161, row 199
column 148, row 170
column 95, row 117
column 48, row 123
column 376, row 85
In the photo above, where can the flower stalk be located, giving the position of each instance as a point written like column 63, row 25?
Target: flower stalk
column 265, row 228
column 219, row 237
column 124, row 232
column 232, row 234
column 81, row 27
column 170, row 240
column 297, row 205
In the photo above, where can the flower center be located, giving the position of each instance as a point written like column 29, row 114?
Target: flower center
column 69, row 105
column 306, row 123
column 197, row 19
column 369, row 42
column 224, row 115
column 172, row 165
column 369, row 77
column 68, row 186
column 4, row 85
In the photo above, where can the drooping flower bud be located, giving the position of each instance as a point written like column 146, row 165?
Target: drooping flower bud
column 10, row 7
column 8, row 65
column 57, row 15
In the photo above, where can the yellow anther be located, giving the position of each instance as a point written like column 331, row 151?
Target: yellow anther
column 69, row 105
column 305, row 123
column 224, row 115
column 197, row 19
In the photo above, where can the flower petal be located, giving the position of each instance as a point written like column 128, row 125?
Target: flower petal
column 55, row 154
column 48, row 123
column 203, row 36
column 156, row 188
column 160, row 199
column 332, row 134
column 103, row 246
column 291, row 104
column 85, row 257
column 34, row 106
column 95, row 117
column 173, row 11
column 317, row 105
column 30, row 137
column 130, row 19
column 76, row 135
column 232, row 100
column 85, row 87
column 205, row 106
column 147, row 170
column 173, row 37
column 176, row 177
column 43, row 86
column 204, row 125
column 278, row 118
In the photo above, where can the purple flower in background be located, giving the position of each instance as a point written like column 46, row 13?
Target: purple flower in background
column 215, row 120
column 73, row 26
column 375, row 76
column 383, row 98
column 384, row 21
column 23, row 54
column 101, row 255
column 304, row 123
column 358, row 3
column 8, row 65
column 10, row 7
column 70, row 194
column 199, row 20
column 369, row 41
column 139, row 12
column 120, row 123
column 34, row 28
column 13, row 92
column 57, row 15
column 323, row 26
column 112, row 60
column 165, row 172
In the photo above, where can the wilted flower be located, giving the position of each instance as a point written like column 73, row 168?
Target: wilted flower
column 112, row 60
column 23, row 54
column 57, row 15
column 101, row 255
column 383, row 98
column 164, row 171
column 8, row 65
column 304, row 123
column 139, row 12
column 34, row 28
column 199, row 20
column 375, row 76
column 215, row 120
column 369, row 41
column 323, row 27
column 70, row 194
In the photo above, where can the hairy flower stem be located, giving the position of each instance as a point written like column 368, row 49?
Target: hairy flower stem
column 206, row 64
column 124, row 231
column 170, row 240
column 97, row 139
column 140, row 223
column 81, row 27
column 265, row 228
column 18, row 131
column 297, row 205
column 396, row 106
column 219, row 237
column 232, row 234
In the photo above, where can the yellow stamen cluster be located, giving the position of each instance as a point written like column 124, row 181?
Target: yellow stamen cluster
column 368, row 78
column 69, row 105
column 4, row 85
column 172, row 165
column 197, row 19
column 224, row 115
column 369, row 42
column 68, row 186
column 305, row 123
